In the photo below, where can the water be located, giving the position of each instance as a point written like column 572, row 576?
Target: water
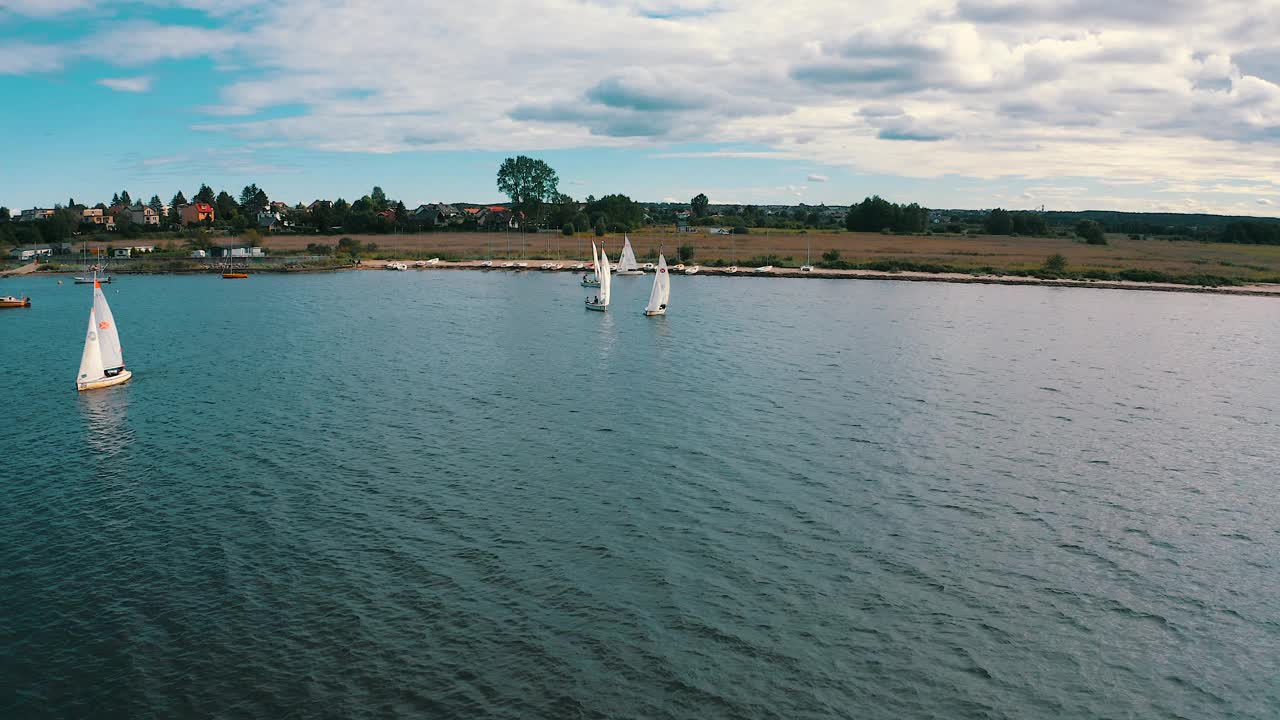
column 378, row 494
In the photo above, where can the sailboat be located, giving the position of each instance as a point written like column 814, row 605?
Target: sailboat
column 102, row 363
column 627, row 264
column 94, row 269
column 601, row 300
column 808, row 265
column 593, row 280
column 661, row 293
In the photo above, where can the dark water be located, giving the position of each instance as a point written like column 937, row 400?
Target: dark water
column 393, row 494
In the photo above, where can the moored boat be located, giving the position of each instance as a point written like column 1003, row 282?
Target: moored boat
column 13, row 301
column 600, row 302
column 627, row 264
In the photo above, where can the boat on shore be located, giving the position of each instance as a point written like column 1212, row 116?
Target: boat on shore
column 731, row 269
column 12, row 301
column 102, row 362
column 600, row 302
column 692, row 269
column 660, row 295
column 396, row 266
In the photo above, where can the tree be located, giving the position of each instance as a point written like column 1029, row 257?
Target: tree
column 875, row 214
column 1092, row 232
column 115, row 199
column 178, row 200
column 125, row 199
column 1056, row 263
column 225, row 208
column 4, row 213
column 156, row 204
column 619, row 212
column 379, row 199
column 204, row 195
column 529, row 183
column 685, row 252
column 998, row 222
column 248, row 198
column 699, row 204
column 600, row 226
column 567, row 229
column 831, row 256
column 402, row 212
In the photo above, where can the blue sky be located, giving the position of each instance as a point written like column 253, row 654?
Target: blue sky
column 1075, row 104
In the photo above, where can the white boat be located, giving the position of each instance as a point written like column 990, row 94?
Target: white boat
column 508, row 265
column 679, row 267
column 692, row 270
column 627, row 260
column 806, row 268
column 486, row 263
column 578, row 266
column 764, row 268
column 648, row 267
column 397, row 266
column 731, row 269
column 102, row 362
column 601, row 301
column 592, row 280
column 420, row 264
column 433, row 261
column 522, row 265
column 660, row 295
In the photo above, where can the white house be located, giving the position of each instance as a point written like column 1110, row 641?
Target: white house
column 199, row 254
column 30, row 252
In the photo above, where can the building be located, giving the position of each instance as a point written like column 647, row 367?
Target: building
column 437, row 214
column 196, row 212
column 97, row 217
column 132, row 251
column 144, row 215
column 35, row 214
column 238, row 252
column 31, row 252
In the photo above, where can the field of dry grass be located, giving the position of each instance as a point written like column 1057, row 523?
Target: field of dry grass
column 1243, row 262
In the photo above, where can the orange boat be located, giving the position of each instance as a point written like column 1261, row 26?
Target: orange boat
column 11, row 301
column 234, row 276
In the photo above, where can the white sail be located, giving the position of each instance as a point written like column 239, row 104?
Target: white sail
column 91, row 360
column 661, row 292
column 595, row 260
column 108, row 338
column 606, row 280
column 627, row 260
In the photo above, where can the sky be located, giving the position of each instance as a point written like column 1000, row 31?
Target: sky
column 1169, row 106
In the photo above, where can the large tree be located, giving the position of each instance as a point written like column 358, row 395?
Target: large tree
column 699, row 204
column 225, row 207
column 529, row 183
column 156, row 204
column 125, row 199
column 205, row 194
column 178, row 199
column 249, row 197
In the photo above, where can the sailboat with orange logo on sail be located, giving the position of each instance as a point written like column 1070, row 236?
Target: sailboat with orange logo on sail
column 102, row 363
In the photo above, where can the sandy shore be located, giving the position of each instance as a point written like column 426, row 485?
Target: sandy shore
column 535, row 266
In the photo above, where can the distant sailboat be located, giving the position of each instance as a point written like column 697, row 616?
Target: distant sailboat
column 102, row 362
column 661, row 293
column 601, row 301
column 627, row 264
column 91, row 271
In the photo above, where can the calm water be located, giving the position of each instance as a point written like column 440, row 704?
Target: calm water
column 376, row 494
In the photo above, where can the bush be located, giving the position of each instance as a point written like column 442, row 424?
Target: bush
column 568, row 228
column 1092, row 232
column 1056, row 263
column 831, row 256
column 740, row 230
column 600, row 227
column 686, row 253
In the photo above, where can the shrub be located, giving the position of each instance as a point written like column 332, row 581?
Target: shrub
column 740, row 230
column 831, row 256
column 568, row 228
column 686, row 253
column 1056, row 263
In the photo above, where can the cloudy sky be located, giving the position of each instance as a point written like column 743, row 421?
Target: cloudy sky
column 1074, row 104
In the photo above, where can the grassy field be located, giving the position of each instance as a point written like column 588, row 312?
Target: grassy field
column 1002, row 253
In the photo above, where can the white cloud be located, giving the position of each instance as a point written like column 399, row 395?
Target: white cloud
column 141, row 83
column 1122, row 94
column 814, row 177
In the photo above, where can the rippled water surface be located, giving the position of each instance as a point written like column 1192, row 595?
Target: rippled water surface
column 457, row 494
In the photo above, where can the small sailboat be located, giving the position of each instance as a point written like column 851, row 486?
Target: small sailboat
column 661, row 293
column 627, row 264
column 808, row 264
column 692, row 269
column 601, row 301
column 91, row 271
column 102, row 362
column 592, row 280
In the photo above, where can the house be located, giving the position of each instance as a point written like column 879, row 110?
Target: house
column 326, row 204
column 238, row 252
column 144, row 215
column 199, row 254
column 196, row 212
column 62, row 248
column 35, row 214
column 121, row 252
column 98, row 217
column 30, row 252
column 389, row 215
column 436, row 214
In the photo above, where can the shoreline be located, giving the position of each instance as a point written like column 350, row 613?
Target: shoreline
column 1255, row 290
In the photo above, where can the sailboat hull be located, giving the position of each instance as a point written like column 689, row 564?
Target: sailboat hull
column 652, row 313
column 103, row 382
column 629, row 272
column 596, row 307
column 590, row 284
column 89, row 281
